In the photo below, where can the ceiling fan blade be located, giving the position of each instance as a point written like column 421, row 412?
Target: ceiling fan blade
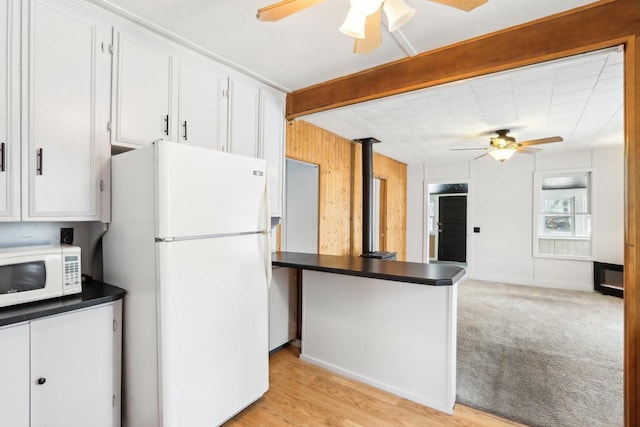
column 282, row 9
column 541, row 141
column 372, row 36
column 480, row 156
column 466, row 5
column 465, row 149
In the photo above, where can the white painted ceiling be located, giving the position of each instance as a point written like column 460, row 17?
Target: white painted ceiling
column 580, row 100
column 306, row 48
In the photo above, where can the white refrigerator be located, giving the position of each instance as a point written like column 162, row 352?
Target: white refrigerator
column 189, row 241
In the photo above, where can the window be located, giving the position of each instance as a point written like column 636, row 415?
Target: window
column 562, row 208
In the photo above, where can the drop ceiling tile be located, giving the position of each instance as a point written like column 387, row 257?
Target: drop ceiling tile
column 581, row 96
column 612, row 71
column 532, row 74
column 425, row 103
column 616, row 57
column 533, row 101
column 572, row 107
column 579, row 71
column 459, row 101
column 540, row 98
column 536, row 86
column 504, row 98
column 575, row 85
column 609, row 84
column 452, row 90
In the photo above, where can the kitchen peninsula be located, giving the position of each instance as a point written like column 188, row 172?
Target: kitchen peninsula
column 390, row 324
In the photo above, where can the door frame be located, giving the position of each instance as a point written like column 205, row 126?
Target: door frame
column 425, row 209
column 466, row 221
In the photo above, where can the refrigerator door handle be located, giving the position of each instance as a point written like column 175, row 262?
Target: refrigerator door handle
column 268, row 259
column 267, row 226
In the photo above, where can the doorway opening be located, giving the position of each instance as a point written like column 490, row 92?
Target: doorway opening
column 379, row 206
column 447, row 222
column 300, row 224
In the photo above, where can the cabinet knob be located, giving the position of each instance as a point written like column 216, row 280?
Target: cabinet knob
column 41, row 381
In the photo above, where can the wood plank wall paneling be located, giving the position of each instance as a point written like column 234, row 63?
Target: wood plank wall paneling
column 602, row 24
column 340, row 204
column 332, row 154
column 395, row 175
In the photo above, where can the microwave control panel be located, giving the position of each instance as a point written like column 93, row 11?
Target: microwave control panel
column 72, row 274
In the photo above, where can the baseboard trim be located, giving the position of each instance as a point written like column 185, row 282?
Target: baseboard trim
column 439, row 406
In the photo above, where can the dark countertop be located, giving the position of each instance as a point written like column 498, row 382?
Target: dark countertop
column 399, row 271
column 93, row 293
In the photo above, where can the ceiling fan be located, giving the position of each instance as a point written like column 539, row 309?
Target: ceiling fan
column 503, row 146
column 364, row 16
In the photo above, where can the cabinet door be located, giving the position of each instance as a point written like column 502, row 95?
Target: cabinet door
column 9, row 111
column 244, row 115
column 72, row 362
column 202, row 109
column 273, row 146
column 14, row 376
column 142, row 90
column 67, row 110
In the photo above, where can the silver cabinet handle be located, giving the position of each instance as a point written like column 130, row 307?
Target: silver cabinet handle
column 40, row 162
column 3, row 158
column 166, row 124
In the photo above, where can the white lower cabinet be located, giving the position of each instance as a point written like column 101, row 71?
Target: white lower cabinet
column 14, row 372
column 63, row 370
column 283, row 301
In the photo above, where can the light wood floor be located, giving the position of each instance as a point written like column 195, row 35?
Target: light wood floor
column 301, row 394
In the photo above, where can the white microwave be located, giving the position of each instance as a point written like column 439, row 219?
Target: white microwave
column 32, row 273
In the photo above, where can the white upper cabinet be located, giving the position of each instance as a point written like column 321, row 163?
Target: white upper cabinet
column 273, row 137
column 9, row 110
column 142, row 89
column 65, row 111
column 202, row 105
column 244, row 118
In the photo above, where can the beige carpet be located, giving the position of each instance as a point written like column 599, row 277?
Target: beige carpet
column 539, row 356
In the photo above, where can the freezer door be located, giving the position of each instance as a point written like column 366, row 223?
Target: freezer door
column 203, row 192
column 213, row 328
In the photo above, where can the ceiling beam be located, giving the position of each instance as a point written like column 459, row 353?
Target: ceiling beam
column 551, row 37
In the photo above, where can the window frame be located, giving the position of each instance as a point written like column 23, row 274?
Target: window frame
column 538, row 201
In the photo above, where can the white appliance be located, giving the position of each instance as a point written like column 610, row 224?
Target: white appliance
column 32, row 273
column 189, row 241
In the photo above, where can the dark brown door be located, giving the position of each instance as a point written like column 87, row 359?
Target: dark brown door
column 452, row 228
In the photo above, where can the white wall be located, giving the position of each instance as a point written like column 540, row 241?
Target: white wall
column 501, row 204
column 416, row 213
column 85, row 235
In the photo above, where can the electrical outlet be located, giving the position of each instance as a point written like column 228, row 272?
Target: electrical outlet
column 66, row 236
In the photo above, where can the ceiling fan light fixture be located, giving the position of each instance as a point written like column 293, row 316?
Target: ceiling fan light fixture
column 354, row 24
column 398, row 13
column 502, row 154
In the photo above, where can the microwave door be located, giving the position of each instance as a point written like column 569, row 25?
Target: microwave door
column 22, row 277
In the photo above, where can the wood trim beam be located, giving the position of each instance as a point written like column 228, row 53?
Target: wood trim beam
column 598, row 25
column 632, row 233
